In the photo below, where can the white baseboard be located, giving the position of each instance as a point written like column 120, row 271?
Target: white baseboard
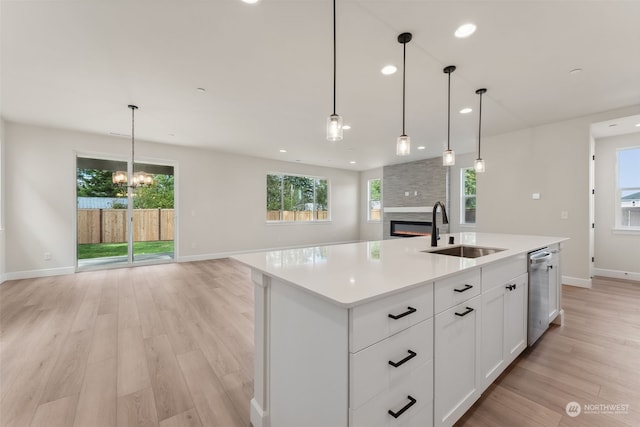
column 17, row 275
column 576, row 281
column 616, row 274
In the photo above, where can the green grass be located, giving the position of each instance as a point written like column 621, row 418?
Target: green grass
column 100, row 250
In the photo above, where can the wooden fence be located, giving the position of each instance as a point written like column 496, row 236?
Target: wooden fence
column 297, row 215
column 110, row 225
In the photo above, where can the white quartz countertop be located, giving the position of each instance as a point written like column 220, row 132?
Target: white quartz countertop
column 353, row 273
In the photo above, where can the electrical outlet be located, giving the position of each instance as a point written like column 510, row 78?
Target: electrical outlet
column 535, row 196
column 564, row 215
column 47, row 256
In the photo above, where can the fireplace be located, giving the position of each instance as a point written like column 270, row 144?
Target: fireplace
column 410, row 228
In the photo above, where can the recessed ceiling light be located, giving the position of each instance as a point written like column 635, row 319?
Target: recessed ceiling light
column 466, row 110
column 283, row 150
column 465, row 30
column 575, row 71
column 352, row 162
column 422, row 147
column 201, row 89
column 346, row 127
column 638, row 125
column 387, row 70
column 250, row 1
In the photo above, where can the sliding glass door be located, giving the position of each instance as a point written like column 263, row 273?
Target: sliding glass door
column 123, row 224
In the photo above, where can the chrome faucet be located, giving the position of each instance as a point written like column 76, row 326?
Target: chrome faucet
column 434, row 229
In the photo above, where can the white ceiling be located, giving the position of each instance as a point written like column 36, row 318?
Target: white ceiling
column 267, row 70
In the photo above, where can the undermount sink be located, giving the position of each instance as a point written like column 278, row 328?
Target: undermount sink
column 463, row 251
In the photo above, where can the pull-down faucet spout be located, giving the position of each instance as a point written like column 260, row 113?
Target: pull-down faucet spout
column 434, row 229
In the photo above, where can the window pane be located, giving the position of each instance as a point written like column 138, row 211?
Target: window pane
column 375, row 200
column 629, row 187
column 274, row 197
column 468, row 190
column 297, row 198
column 322, row 200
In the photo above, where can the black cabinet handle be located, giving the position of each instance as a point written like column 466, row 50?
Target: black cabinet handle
column 412, row 402
column 401, row 315
column 411, row 355
column 466, row 288
column 469, row 310
column 511, row 287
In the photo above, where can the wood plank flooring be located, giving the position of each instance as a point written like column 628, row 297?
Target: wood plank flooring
column 172, row 345
column 166, row 345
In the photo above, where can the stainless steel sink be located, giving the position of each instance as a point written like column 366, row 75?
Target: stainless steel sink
column 465, row 251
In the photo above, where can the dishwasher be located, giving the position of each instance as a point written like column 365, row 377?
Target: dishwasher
column 539, row 266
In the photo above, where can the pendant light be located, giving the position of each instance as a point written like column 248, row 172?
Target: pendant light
column 403, row 144
column 334, row 122
column 449, row 156
column 138, row 179
column 478, row 165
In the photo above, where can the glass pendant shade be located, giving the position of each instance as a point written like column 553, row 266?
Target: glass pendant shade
column 478, row 165
column 403, row 145
column 119, row 177
column 448, row 158
column 334, row 128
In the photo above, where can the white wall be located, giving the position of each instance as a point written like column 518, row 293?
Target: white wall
column 369, row 230
column 617, row 254
column 220, row 199
column 552, row 160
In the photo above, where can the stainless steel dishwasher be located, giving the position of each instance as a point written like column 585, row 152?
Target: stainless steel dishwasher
column 539, row 265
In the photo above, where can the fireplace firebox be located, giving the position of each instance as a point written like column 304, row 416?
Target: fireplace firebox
column 410, row 228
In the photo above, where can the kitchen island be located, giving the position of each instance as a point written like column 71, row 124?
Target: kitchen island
column 387, row 333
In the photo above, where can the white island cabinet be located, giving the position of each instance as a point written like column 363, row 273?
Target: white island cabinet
column 385, row 333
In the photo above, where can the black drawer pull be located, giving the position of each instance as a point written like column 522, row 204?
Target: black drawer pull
column 401, row 315
column 511, row 287
column 412, row 402
column 469, row 310
column 466, row 288
column 411, row 355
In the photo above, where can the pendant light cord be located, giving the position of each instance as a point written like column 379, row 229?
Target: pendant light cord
column 479, row 124
column 449, row 113
column 404, row 70
column 334, row 57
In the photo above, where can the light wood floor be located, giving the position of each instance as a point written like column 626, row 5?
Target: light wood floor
column 172, row 345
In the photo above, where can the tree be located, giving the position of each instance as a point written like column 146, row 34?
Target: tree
column 375, row 189
column 99, row 183
column 96, row 183
column 159, row 195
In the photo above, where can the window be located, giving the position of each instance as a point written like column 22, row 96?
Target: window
column 628, row 184
column 295, row 198
column 375, row 200
column 468, row 192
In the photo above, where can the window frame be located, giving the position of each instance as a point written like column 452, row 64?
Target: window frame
column 369, row 219
column 314, row 178
column 619, row 226
column 464, row 197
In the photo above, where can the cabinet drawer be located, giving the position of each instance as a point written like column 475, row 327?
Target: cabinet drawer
column 376, row 320
column 419, row 386
column 371, row 373
column 502, row 271
column 457, row 289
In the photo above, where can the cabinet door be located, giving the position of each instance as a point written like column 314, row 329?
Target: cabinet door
column 492, row 355
column 515, row 318
column 457, row 373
